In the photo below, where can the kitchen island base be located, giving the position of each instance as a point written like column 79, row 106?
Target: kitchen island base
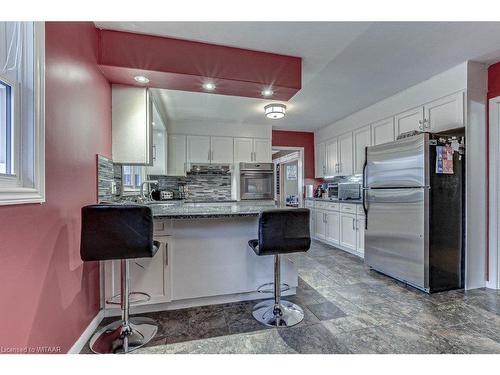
column 201, row 261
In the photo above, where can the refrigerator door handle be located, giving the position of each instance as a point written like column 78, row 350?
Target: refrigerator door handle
column 365, row 207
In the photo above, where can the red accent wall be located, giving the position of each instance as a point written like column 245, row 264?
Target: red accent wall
column 299, row 139
column 494, row 80
column 48, row 295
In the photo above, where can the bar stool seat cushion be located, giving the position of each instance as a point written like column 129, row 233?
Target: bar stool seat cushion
column 112, row 231
column 282, row 231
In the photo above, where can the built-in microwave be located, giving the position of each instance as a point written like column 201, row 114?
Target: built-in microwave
column 256, row 181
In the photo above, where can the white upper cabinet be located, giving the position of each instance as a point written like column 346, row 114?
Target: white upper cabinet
column 243, row 150
column 176, row 155
column 383, row 131
column 198, row 149
column 132, row 141
column 160, row 144
column 445, row 113
column 221, row 150
column 409, row 120
column 361, row 139
column 262, row 150
column 249, row 150
column 345, row 159
column 332, row 161
column 320, row 168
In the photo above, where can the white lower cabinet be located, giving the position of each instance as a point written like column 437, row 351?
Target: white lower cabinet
column 332, row 227
column 348, row 235
column 147, row 275
column 340, row 225
column 361, row 234
column 319, row 225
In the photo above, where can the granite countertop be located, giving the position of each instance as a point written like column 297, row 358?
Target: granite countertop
column 335, row 200
column 194, row 211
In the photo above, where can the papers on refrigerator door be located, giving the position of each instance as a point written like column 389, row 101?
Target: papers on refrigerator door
column 444, row 159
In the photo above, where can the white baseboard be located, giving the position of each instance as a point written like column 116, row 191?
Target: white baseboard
column 87, row 334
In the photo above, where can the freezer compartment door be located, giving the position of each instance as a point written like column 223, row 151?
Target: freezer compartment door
column 401, row 163
column 395, row 239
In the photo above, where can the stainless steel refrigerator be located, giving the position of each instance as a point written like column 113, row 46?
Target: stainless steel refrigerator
column 414, row 216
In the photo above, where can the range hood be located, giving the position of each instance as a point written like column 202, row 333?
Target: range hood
column 205, row 168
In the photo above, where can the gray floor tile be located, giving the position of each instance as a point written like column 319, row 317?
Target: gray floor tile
column 348, row 308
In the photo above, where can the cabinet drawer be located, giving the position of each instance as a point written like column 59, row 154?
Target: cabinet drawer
column 327, row 206
column 309, row 204
column 348, row 207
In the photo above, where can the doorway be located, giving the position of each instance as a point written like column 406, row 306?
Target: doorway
column 289, row 176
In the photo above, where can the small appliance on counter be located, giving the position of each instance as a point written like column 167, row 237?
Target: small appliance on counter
column 309, row 191
column 332, row 189
column 161, row 195
column 166, row 195
column 349, row 191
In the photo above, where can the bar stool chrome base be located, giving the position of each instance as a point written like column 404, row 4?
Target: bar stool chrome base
column 287, row 314
column 116, row 338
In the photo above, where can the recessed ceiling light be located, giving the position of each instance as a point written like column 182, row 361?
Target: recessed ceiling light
column 267, row 93
column 141, row 79
column 209, row 86
column 275, row 111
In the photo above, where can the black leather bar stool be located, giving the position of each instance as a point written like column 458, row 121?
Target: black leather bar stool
column 281, row 231
column 119, row 232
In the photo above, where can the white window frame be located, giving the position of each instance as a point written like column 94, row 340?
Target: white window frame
column 27, row 185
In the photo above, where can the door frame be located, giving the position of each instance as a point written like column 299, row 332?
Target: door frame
column 300, row 172
column 493, row 280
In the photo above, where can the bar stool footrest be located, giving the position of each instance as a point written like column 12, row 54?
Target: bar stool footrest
column 269, row 288
column 134, row 298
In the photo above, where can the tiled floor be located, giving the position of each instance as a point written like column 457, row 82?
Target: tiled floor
column 348, row 309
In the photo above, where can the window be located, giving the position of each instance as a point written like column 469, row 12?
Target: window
column 22, row 132
column 132, row 176
column 6, row 127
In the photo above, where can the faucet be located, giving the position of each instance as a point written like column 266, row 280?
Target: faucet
column 146, row 182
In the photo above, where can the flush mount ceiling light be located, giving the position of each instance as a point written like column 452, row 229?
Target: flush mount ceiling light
column 267, row 93
column 275, row 111
column 209, row 86
column 141, row 79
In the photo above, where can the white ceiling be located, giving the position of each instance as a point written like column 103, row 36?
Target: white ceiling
column 346, row 65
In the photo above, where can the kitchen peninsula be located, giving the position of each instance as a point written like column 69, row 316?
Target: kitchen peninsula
column 204, row 258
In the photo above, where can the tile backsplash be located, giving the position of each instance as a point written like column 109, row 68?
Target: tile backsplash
column 210, row 186
column 199, row 186
column 105, row 177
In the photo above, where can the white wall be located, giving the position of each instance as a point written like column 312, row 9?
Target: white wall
column 448, row 82
column 468, row 76
column 229, row 129
column 476, row 177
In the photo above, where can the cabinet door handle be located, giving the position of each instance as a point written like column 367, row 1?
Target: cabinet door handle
column 427, row 122
column 166, row 253
column 208, row 155
column 353, row 227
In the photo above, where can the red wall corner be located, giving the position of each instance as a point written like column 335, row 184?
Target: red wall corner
column 48, row 295
column 299, row 139
column 494, row 80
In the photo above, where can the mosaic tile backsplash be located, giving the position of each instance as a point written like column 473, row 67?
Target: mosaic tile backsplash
column 105, row 177
column 199, row 186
